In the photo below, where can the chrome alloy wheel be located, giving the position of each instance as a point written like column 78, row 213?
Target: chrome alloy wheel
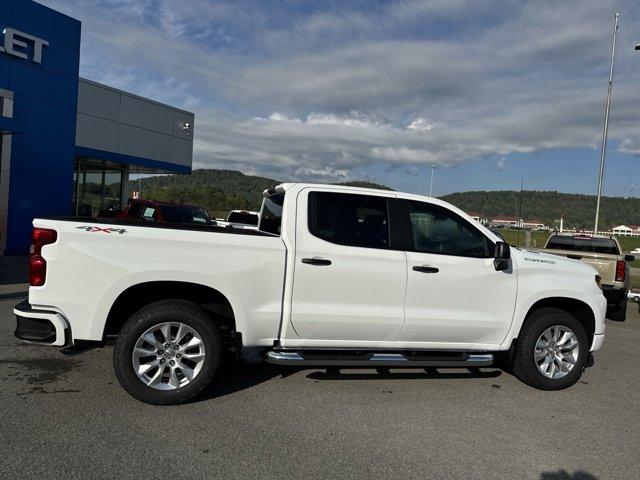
column 168, row 356
column 556, row 351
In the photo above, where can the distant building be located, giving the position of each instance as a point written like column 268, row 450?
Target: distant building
column 478, row 217
column 534, row 224
column 626, row 230
column 514, row 222
column 505, row 221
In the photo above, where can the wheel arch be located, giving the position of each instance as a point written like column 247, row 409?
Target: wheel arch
column 579, row 309
column 133, row 298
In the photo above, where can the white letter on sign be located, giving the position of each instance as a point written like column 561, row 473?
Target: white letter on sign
column 11, row 42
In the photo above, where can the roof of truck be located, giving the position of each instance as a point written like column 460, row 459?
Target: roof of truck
column 586, row 236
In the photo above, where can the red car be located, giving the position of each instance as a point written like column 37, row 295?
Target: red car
column 165, row 212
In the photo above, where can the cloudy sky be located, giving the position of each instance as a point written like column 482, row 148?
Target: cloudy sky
column 489, row 91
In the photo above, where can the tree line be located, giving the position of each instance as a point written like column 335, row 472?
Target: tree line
column 224, row 190
column 578, row 210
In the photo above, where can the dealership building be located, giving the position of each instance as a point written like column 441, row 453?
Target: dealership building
column 68, row 144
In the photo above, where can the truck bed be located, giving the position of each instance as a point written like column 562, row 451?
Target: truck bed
column 93, row 262
column 605, row 264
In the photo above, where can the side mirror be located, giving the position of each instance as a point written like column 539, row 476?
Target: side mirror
column 501, row 255
column 629, row 258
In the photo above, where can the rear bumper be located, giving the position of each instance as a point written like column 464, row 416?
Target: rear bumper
column 614, row 296
column 43, row 327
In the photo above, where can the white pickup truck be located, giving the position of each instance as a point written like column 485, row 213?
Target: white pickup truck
column 334, row 277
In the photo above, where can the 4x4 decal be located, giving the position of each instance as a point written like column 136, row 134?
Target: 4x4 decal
column 93, row 228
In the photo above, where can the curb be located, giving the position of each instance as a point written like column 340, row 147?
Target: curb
column 13, row 291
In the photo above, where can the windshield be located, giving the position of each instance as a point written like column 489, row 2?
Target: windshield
column 584, row 244
column 271, row 214
column 184, row 214
column 247, row 218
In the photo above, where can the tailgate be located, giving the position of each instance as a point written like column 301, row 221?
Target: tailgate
column 603, row 263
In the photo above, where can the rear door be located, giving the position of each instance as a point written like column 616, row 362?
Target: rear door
column 350, row 271
column 455, row 297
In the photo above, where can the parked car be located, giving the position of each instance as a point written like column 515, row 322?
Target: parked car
column 164, row 212
column 634, row 294
column 334, row 276
column 605, row 254
column 635, row 251
column 243, row 219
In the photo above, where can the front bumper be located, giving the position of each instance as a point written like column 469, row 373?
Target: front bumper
column 44, row 327
column 598, row 340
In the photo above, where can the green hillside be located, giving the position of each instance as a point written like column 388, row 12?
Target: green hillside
column 217, row 190
column 578, row 210
column 222, row 190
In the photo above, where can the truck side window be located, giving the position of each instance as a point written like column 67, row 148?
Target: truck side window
column 438, row 230
column 349, row 219
column 271, row 214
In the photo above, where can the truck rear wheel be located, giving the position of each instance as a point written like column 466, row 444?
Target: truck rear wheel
column 552, row 350
column 167, row 352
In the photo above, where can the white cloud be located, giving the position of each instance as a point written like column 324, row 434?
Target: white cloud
column 420, row 124
column 408, row 83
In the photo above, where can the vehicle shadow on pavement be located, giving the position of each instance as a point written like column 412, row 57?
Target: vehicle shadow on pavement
column 235, row 377
column 564, row 475
column 332, row 374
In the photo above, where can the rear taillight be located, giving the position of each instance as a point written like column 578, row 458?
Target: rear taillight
column 620, row 270
column 38, row 265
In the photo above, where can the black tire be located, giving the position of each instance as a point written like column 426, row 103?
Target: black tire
column 618, row 313
column 525, row 367
column 164, row 311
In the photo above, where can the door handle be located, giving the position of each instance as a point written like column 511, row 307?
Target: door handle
column 316, row 261
column 426, row 269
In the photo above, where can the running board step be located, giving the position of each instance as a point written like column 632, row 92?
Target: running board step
column 343, row 359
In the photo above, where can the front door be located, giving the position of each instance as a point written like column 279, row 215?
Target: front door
column 350, row 271
column 455, row 296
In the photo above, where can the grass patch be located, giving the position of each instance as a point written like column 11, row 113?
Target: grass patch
column 517, row 238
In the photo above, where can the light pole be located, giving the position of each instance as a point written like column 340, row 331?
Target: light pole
column 433, row 168
column 603, row 150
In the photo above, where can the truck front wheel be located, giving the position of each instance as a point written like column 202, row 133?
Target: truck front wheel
column 552, row 350
column 167, row 352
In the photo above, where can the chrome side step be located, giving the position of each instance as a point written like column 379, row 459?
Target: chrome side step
column 340, row 359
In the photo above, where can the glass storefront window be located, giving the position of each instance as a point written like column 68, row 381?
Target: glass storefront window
column 98, row 190
column 93, row 186
column 112, row 190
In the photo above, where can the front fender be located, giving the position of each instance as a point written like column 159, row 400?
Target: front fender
column 597, row 304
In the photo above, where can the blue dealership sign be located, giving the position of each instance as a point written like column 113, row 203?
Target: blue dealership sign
column 39, row 67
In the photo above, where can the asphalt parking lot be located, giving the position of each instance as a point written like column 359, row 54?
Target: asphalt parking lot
column 67, row 417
